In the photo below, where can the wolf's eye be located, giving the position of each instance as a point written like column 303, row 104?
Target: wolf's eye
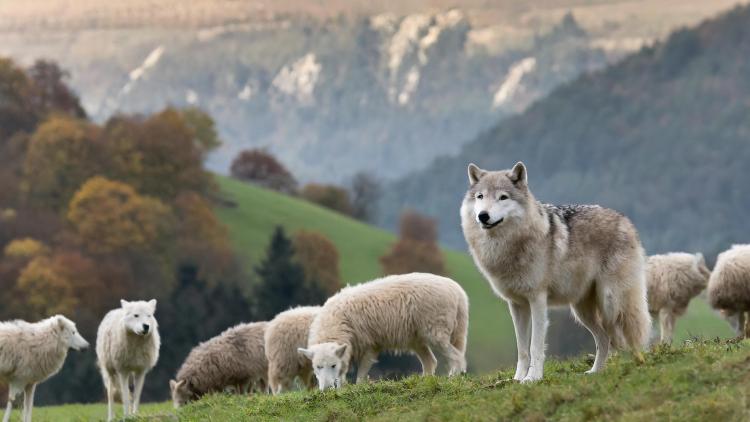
column 503, row 197
column 333, row 366
column 480, row 196
column 136, row 315
column 320, row 366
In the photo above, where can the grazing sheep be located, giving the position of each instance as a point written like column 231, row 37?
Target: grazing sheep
column 417, row 312
column 31, row 353
column 235, row 358
column 729, row 287
column 286, row 333
column 127, row 345
column 673, row 280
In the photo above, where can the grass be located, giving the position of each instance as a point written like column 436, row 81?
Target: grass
column 696, row 381
column 86, row 412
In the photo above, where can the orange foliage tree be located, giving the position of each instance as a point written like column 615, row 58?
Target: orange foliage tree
column 46, row 289
column 417, row 248
column 258, row 166
column 319, row 259
column 329, row 196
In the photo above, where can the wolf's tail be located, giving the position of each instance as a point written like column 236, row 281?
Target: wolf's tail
column 634, row 318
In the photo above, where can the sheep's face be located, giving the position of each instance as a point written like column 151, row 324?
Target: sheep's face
column 139, row 317
column 330, row 361
column 69, row 334
column 181, row 393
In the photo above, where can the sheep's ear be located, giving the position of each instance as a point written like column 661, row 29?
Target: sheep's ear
column 699, row 259
column 475, row 173
column 172, row 385
column 306, row 352
column 340, row 351
column 518, row 174
column 152, row 304
column 124, row 303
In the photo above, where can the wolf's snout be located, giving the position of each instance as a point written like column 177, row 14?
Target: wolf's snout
column 483, row 217
column 145, row 328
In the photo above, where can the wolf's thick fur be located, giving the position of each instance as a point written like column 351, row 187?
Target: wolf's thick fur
column 234, row 358
column 31, row 353
column 673, row 280
column 535, row 255
column 729, row 287
column 286, row 333
column 127, row 345
column 417, row 312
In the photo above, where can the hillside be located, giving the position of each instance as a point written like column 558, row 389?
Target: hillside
column 661, row 136
column 491, row 338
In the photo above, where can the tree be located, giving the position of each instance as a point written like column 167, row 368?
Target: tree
column 16, row 109
column 258, row 166
column 62, row 154
column 26, row 248
column 203, row 127
column 110, row 216
column 319, row 259
column 366, row 192
column 417, row 248
column 329, row 196
column 50, row 93
column 47, row 290
column 282, row 280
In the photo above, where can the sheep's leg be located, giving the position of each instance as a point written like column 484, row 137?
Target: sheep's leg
column 666, row 323
column 747, row 324
column 28, row 402
column 140, row 377
column 124, row 380
column 365, row 363
column 426, row 358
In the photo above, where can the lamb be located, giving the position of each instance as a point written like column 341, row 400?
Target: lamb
column 417, row 312
column 235, row 358
column 286, row 333
column 673, row 280
column 31, row 353
column 127, row 346
column 729, row 287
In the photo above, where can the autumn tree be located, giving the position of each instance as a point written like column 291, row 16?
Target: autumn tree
column 62, row 154
column 16, row 108
column 259, row 167
column 330, row 196
column 203, row 128
column 417, row 249
column 47, row 290
column 282, row 281
column 366, row 192
column 319, row 259
column 50, row 91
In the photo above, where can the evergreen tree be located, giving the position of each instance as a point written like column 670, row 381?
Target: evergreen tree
column 282, row 280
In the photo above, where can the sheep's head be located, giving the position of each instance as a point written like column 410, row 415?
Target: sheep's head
column 330, row 361
column 181, row 393
column 139, row 316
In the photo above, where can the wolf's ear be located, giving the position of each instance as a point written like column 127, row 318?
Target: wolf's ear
column 124, row 303
column 475, row 173
column 699, row 259
column 60, row 322
column 172, row 385
column 518, row 174
column 305, row 352
column 340, row 351
column 152, row 304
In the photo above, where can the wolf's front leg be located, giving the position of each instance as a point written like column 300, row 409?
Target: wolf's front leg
column 521, row 315
column 124, row 380
column 139, row 379
column 538, row 306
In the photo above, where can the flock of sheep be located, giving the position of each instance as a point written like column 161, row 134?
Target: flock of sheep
column 419, row 313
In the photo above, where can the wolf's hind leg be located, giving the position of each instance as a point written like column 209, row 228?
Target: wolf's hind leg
column 585, row 313
column 666, row 324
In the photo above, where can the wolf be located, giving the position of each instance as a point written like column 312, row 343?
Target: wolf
column 537, row 255
column 31, row 353
column 127, row 345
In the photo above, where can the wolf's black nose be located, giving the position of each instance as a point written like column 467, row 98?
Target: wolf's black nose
column 484, row 217
column 145, row 328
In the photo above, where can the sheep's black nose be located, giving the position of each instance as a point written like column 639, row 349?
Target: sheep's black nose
column 145, row 328
column 484, row 217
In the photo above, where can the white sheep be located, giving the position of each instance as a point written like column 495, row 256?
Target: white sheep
column 673, row 280
column 729, row 287
column 31, row 353
column 286, row 333
column 235, row 358
column 127, row 345
column 412, row 312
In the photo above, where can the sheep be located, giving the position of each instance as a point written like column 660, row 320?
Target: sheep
column 235, row 358
column 31, row 353
column 729, row 287
column 417, row 312
column 673, row 280
column 286, row 333
column 127, row 345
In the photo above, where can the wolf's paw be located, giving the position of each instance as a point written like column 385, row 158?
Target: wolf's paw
column 591, row 371
column 531, row 378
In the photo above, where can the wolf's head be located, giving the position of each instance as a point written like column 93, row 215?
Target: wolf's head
column 181, row 393
column 68, row 333
column 139, row 316
column 496, row 199
column 330, row 361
